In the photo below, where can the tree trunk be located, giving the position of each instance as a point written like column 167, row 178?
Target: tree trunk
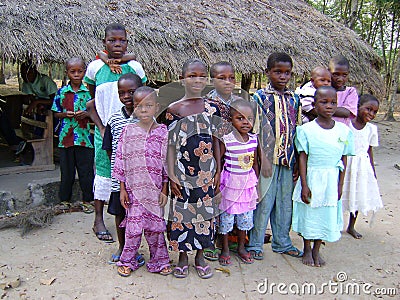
column 393, row 89
column 246, row 82
column 2, row 71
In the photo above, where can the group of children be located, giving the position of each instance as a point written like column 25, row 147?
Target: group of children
column 223, row 162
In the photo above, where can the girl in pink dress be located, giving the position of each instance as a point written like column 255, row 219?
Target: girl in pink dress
column 140, row 165
column 238, row 180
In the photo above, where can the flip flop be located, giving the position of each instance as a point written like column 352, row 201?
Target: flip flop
column 290, row 252
column 181, row 272
column 140, row 260
column 256, row 254
column 247, row 259
column 101, row 235
column 224, row 260
column 114, row 259
column 124, row 271
column 87, row 208
column 213, row 254
column 166, row 271
column 203, row 272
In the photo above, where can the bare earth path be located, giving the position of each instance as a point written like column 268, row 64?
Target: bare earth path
column 68, row 251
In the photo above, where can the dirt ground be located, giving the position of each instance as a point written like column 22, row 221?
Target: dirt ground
column 66, row 261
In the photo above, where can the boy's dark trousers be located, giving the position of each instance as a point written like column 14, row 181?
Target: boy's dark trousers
column 80, row 158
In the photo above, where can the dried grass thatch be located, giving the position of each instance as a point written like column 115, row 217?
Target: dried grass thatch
column 166, row 33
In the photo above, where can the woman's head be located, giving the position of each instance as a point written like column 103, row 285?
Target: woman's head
column 368, row 107
column 242, row 115
column 339, row 67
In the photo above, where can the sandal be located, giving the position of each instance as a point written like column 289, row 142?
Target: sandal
column 102, row 236
column 166, row 271
column 87, row 208
column 114, row 259
column 257, row 254
column 210, row 254
column 246, row 258
column 224, row 260
column 124, row 271
column 293, row 252
column 204, row 272
column 181, row 272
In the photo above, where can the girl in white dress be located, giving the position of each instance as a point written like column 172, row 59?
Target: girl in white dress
column 360, row 188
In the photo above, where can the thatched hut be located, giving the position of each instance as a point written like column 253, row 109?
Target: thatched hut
column 166, row 33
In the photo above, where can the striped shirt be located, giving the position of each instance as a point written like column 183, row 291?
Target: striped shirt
column 114, row 128
column 239, row 156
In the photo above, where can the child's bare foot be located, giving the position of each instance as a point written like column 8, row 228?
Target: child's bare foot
column 318, row 261
column 307, row 258
column 354, row 233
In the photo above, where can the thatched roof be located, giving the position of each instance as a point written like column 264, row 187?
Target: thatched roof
column 166, row 33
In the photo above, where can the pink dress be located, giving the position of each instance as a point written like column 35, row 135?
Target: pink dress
column 140, row 162
column 347, row 99
column 238, row 179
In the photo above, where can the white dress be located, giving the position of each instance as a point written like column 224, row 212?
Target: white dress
column 360, row 188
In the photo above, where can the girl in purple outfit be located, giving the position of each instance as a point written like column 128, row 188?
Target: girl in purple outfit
column 140, row 165
column 238, row 179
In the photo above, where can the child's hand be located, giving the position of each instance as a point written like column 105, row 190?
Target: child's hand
column 124, row 198
column 217, row 179
column 162, row 199
column 113, row 61
column 305, row 194
column 266, row 168
column 116, row 69
column 81, row 114
column 296, row 172
column 217, row 196
column 70, row 114
column 175, row 187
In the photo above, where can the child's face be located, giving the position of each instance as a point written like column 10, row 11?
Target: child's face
column 146, row 107
column 224, row 80
column 242, row 119
column 340, row 75
column 326, row 104
column 75, row 73
column 279, row 75
column 195, row 78
column 322, row 79
column 126, row 89
column 115, row 43
column 367, row 111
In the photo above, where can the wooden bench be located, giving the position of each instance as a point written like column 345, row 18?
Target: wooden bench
column 42, row 147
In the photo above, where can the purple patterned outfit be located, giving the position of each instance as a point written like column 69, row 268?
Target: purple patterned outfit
column 140, row 162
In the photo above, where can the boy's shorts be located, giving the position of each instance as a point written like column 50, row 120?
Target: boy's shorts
column 114, row 206
column 244, row 221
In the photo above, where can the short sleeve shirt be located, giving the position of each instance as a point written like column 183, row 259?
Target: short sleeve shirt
column 42, row 87
column 73, row 132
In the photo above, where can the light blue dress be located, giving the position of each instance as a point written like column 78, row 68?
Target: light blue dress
column 321, row 219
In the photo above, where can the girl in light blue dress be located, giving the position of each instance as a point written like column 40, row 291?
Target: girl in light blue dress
column 322, row 145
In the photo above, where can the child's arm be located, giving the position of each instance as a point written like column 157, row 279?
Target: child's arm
column 266, row 166
column 371, row 159
column 342, row 112
column 255, row 162
column 305, row 190
column 163, row 198
column 174, row 181
column 66, row 114
column 217, row 157
column 123, row 196
column 341, row 177
column 94, row 116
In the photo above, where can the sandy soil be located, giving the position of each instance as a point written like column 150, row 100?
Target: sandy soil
column 68, row 251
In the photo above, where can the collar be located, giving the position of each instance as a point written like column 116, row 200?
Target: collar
column 82, row 88
column 270, row 90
